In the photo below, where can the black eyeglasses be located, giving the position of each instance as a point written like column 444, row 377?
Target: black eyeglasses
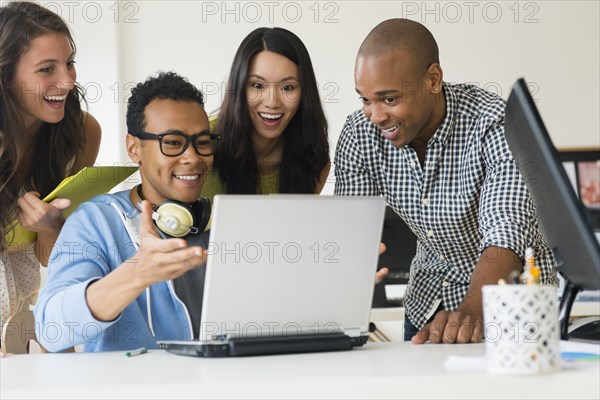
column 173, row 144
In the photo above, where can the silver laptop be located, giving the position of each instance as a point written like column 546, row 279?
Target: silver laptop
column 287, row 274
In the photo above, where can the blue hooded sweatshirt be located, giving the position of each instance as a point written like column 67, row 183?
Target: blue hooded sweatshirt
column 96, row 239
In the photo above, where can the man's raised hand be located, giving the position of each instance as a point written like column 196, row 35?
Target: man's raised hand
column 163, row 259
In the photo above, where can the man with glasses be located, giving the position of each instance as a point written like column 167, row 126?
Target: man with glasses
column 128, row 268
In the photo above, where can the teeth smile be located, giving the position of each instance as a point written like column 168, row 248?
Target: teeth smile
column 270, row 116
column 187, row 177
column 55, row 98
column 390, row 130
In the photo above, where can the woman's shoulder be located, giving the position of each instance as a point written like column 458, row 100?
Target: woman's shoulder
column 92, row 130
column 323, row 178
column 93, row 135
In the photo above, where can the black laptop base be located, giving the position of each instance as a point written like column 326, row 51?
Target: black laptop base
column 264, row 346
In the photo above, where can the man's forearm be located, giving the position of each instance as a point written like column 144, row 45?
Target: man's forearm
column 109, row 296
column 495, row 263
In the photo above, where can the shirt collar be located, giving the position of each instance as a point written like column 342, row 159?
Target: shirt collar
column 442, row 133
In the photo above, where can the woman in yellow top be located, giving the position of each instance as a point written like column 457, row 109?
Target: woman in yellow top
column 44, row 137
column 272, row 125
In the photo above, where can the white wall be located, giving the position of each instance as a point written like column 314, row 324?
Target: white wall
column 555, row 45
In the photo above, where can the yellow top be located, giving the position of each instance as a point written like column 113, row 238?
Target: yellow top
column 269, row 183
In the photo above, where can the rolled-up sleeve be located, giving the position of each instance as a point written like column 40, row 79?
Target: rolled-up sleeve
column 352, row 177
column 506, row 211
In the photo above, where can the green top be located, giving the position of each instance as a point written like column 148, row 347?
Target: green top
column 269, row 183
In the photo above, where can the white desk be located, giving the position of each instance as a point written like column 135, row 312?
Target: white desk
column 378, row 370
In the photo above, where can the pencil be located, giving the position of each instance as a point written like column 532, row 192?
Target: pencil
column 136, row 352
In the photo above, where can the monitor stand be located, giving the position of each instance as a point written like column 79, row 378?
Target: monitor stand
column 589, row 332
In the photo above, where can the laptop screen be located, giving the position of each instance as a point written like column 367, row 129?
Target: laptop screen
column 290, row 265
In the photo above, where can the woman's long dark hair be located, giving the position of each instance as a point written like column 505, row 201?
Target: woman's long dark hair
column 57, row 144
column 305, row 148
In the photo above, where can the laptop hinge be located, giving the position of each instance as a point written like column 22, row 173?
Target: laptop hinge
column 352, row 332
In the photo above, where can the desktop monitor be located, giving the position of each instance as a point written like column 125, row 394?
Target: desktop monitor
column 401, row 245
column 562, row 216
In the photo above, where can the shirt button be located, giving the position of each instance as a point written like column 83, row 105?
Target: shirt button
column 442, row 258
column 413, row 164
column 425, row 202
column 445, row 284
column 430, row 233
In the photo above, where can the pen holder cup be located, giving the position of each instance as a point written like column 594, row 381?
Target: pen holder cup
column 522, row 333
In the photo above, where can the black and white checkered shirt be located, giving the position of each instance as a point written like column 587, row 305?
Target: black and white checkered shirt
column 468, row 195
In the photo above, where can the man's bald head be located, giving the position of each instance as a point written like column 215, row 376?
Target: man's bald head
column 404, row 35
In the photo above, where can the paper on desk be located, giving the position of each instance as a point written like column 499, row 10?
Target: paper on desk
column 578, row 355
column 581, row 347
column 567, row 348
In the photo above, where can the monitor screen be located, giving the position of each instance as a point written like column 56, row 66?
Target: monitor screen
column 563, row 218
column 401, row 248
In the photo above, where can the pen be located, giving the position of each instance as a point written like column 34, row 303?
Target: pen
column 378, row 334
column 136, row 352
column 535, row 270
column 531, row 274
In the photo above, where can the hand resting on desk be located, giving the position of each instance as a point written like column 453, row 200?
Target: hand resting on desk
column 465, row 324
column 451, row 327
